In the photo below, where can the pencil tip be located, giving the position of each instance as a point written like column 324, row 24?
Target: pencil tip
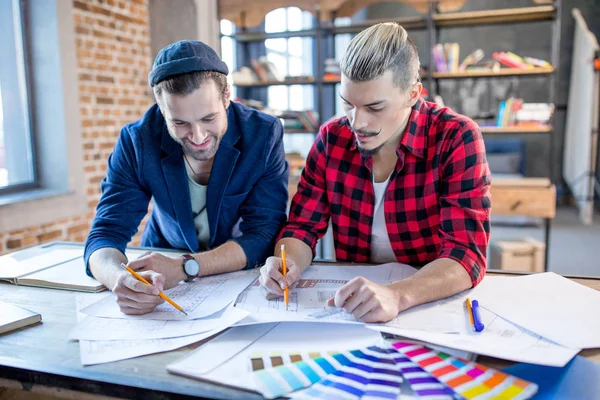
column 184, row 312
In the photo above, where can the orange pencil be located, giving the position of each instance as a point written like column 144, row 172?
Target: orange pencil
column 161, row 294
column 286, row 295
column 470, row 310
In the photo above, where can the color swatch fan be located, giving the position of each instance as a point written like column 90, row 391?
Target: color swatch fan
column 469, row 379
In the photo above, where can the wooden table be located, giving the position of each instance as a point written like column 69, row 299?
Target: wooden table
column 40, row 359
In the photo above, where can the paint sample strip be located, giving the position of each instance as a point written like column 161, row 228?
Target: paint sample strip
column 471, row 380
column 421, row 383
column 274, row 359
column 371, row 374
column 289, row 377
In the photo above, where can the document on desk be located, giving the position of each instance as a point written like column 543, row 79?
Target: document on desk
column 500, row 339
column 307, row 300
column 104, row 351
column 96, row 328
column 548, row 304
column 225, row 359
column 200, row 298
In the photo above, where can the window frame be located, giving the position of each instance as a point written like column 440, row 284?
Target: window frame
column 24, row 48
column 54, row 110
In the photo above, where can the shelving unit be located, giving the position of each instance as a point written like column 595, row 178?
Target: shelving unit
column 509, row 198
column 503, row 72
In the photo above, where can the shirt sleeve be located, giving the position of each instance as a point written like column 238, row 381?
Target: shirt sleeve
column 309, row 212
column 465, row 201
column 124, row 201
column 263, row 212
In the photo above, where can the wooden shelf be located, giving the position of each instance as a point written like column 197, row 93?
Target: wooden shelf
column 515, row 129
column 491, row 74
column 408, row 23
column 287, row 82
column 332, row 80
column 488, row 17
column 262, row 35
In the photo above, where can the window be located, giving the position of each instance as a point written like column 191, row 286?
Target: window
column 17, row 162
column 292, row 57
column 228, row 54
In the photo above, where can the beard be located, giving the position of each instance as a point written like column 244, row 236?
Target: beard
column 201, row 154
column 367, row 152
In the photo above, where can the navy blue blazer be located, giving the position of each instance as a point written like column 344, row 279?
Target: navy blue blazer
column 248, row 180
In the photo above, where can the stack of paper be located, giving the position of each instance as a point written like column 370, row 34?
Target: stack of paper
column 106, row 334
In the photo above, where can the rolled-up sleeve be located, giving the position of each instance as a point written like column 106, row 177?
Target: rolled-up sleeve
column 465, row 201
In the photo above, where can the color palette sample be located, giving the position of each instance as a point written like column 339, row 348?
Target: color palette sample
column 370, row 373
column 273, row 359
column 421, row 383
column 469, row 379
column 288, row 377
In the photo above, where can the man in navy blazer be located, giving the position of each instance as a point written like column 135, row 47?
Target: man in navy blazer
column 214, row 169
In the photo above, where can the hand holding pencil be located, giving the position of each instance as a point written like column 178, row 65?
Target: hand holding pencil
column 273, row 280
column 155, row 290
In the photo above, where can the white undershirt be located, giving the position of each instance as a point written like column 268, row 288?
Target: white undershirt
column 381, row 248
column 198, row 202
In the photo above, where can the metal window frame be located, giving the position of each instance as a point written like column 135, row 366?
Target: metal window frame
column 25, row 51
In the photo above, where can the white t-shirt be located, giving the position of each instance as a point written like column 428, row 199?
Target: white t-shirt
column 381, row 248
column 198, row 202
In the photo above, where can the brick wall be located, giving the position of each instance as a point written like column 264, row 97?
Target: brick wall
column 113, row 58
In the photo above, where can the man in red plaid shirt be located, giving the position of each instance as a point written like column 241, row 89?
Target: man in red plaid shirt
column 401, row 179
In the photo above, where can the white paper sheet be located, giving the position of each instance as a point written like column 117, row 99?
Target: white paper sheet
column 200, row 298
column 499, row 339
column 95, row 328
column 548, row 304
column 99, row 352
column 316, row 285
column 225, row 359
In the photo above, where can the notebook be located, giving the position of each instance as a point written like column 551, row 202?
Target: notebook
column 57, row 266
column 54, row 266
column 13, row 317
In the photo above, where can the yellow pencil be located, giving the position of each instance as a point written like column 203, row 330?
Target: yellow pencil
column 470, row 310
column 161, row 294
column 286, row 295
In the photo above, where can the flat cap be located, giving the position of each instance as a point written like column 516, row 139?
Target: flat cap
column 183, row 57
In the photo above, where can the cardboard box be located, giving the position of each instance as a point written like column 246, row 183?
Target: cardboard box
column 526, row 254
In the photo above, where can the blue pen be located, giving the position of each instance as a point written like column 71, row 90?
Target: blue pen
column 476, row 317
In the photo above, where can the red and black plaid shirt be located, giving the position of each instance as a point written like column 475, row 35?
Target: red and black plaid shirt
column 437, row 204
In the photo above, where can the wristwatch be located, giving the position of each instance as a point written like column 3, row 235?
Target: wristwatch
column 191, row 267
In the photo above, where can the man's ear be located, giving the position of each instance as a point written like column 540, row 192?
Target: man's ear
column 414, row 93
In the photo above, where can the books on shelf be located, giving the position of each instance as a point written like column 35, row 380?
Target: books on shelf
column 264, row 71
column 514, row 112
column 446, row 59
column 305, row 121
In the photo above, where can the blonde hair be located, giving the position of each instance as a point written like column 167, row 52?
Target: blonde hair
column 379, row 48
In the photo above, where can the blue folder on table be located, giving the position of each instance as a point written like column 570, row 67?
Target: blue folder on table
column 578, row 380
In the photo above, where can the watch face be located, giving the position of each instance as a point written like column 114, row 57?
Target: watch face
column 191, row 267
